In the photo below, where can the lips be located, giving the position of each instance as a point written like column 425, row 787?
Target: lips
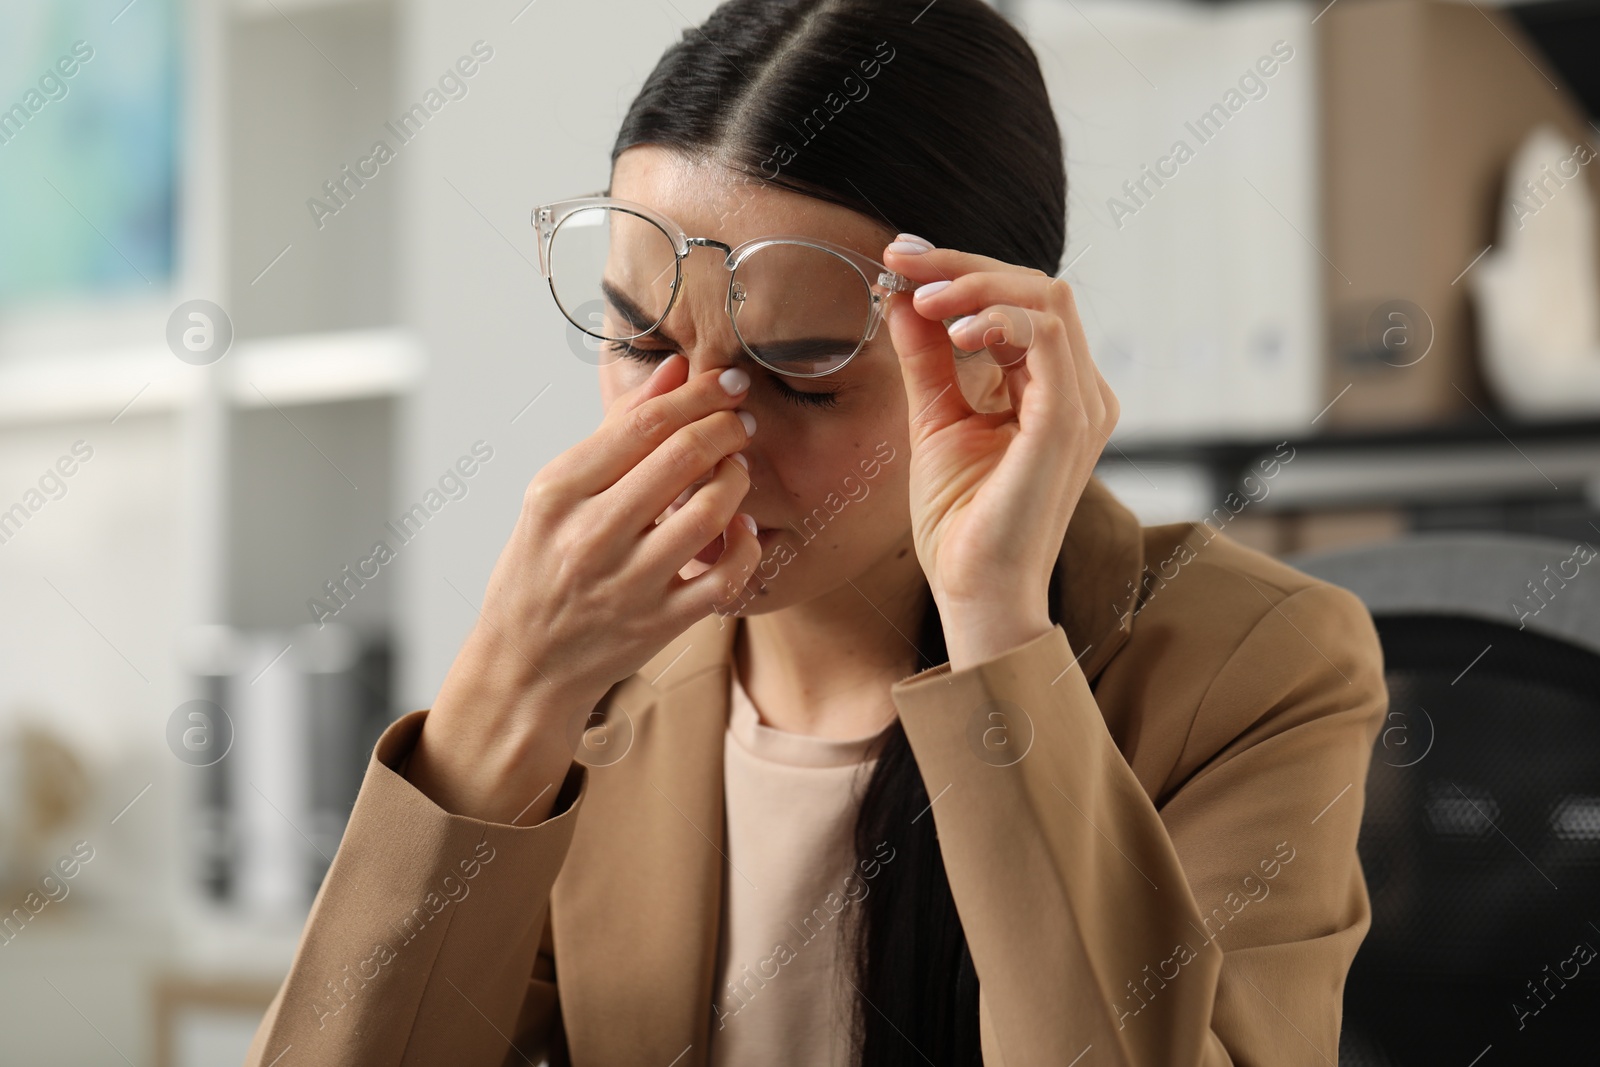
column 712, row 552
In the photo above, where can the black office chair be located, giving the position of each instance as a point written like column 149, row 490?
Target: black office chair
column 1481, row 836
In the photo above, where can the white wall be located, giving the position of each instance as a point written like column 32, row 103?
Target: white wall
column 537, row 125
column 293, row 121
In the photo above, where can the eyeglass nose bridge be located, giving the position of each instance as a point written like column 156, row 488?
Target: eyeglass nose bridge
column 709, row 242
column 735, row 290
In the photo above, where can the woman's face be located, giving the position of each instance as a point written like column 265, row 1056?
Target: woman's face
column 830, row 458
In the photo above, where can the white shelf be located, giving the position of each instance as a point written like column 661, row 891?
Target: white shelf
column 283, row 8
column 301, row 369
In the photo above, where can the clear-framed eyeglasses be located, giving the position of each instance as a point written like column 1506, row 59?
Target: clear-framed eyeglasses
column 800, row 306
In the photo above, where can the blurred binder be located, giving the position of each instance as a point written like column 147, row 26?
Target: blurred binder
column 1423, row 105
column 1192, row 207
column 305, row 706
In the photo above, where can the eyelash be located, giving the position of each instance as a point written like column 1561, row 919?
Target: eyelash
column 794, row 396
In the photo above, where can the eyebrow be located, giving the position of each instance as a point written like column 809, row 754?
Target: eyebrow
column 629, row 310
column 795, row 351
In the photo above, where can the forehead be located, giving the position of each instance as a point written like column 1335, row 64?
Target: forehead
column 709, row 199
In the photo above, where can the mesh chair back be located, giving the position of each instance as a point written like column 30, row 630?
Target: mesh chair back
column 1480, row 840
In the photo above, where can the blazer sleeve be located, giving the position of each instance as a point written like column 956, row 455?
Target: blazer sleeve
column 426, row 941
column 1213, row 928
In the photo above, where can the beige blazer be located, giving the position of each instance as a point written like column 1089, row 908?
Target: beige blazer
column 1167, row 876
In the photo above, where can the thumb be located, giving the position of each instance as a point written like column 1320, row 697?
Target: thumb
column 928, row 370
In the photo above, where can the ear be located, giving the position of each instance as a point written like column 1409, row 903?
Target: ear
column 983, row 383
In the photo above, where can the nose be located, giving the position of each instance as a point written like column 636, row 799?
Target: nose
column 699, row 318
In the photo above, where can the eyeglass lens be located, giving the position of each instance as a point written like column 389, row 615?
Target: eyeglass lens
column 798, row 309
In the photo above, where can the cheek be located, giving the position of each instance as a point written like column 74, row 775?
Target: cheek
column 816, row 461
column 619, row 376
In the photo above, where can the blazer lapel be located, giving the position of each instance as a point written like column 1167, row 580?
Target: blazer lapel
column 1099, row 575
column 635, row 910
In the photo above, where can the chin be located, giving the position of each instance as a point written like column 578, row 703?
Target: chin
column 772, row 586
column 767, row 535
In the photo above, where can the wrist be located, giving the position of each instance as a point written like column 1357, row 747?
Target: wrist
column 497, row 735
column 494, row 674
column 500, row 781
column 977, row 632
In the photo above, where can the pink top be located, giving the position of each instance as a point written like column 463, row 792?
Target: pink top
column 781, row 995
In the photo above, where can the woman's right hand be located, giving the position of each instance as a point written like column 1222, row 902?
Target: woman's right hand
column 588, row 589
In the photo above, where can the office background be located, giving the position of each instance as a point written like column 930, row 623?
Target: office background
column 239, row 347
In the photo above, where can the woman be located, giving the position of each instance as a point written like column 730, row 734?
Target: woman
column 1118, row 825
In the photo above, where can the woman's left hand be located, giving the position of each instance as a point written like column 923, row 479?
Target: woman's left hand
column 992, row 492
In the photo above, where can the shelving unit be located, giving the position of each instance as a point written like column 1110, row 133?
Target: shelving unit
column 213, row 488
column 1473, row 461
column 1479, row 473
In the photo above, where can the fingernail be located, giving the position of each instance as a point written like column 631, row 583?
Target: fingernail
column 932, row 288
column 922, row 243
column 738, row 457
column 960, row 324
column 908, row 248
column 749, row 421
column 749, row 523
column 734, row 380
column 670, row 361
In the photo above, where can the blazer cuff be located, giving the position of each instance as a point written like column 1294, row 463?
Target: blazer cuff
column 417, row 896
column 392, row 754
column 928, row 691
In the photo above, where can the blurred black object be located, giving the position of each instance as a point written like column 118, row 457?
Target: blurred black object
column 341, row 684
column 1481, row 835
column 350, row 708
column 1568, row 34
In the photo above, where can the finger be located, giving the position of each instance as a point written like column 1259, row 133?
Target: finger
column 1017, row 385
column 927, row 370
column 1003, row 332
column 687, row 458
column 628, row 435
column 1029, row 480
column 941, row 263
column 668, row 375
column 971, row 293
column 975, row 293
column 1009, row 336
column 723, row 587
column 1092, row 382
column 705, row 514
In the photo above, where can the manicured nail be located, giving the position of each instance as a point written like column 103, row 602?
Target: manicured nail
column 749, row 523
column 738, row 457
column 932, row 287
column 913, row 239
column 908, row 248
column 734, row 380
column 749, row 421
column 960, row 324
column 670, row 361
